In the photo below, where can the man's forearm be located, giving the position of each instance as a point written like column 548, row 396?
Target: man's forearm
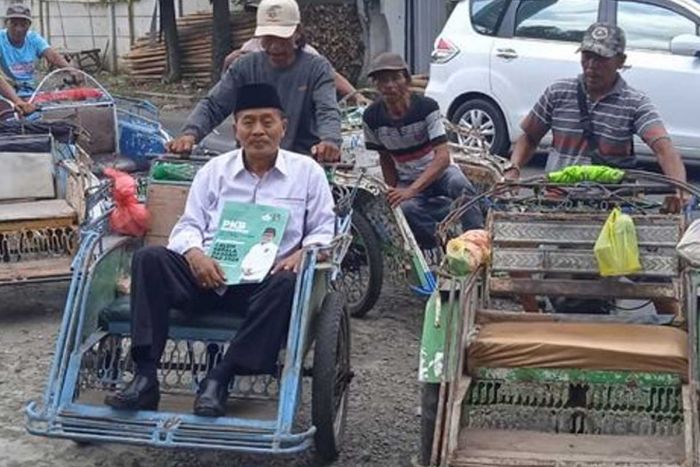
column 524, row 149
column 8, row 92
column 202, row 120
column 328, row 122
column 436, row 168
column 329, row 127
column 343, row 86
column 669, row 159
column 391, row 176
column 213, row 109
column 56, row 59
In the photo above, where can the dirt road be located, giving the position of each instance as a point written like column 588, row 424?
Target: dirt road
column 383, row 419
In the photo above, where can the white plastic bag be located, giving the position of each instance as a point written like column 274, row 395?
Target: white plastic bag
column 689, row 246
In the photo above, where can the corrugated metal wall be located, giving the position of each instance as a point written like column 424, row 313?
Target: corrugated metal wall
column 425, row 19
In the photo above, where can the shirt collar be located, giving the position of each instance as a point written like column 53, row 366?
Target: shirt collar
column 280, row 163
column 618, row 87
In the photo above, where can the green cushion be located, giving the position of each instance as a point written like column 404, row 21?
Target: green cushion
column 119, row 312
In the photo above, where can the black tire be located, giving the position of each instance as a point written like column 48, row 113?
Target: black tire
column 331, row 376
column 430, row 393
column 499, row 140
column 362, row 268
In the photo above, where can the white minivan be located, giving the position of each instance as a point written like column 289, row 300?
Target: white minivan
column 494, row 58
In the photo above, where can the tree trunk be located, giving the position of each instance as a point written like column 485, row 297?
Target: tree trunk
column 169, row 27
column 221, row 37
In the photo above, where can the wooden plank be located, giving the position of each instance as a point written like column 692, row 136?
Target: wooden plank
column 438, row 432
column 57, row 223
column 35, row 210
column 452, row 435
column 500, row 216
column 486, row 316
column 578, row 229
column 529, row 448
column 156, row 240
column 35, row 269
column 571, row 233
column 581, row 288
column 581, row 261
column 166, row 203
column 690, row 411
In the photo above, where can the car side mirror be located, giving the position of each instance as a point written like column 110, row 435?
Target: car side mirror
column 687, row 45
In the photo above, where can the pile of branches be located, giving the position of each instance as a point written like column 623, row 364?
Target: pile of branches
column 336, row 32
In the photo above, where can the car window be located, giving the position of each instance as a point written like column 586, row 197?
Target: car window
column 487, row 15
column 559, row 20
column 650, row 26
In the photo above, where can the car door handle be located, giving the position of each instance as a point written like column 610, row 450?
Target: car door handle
column 508, row 54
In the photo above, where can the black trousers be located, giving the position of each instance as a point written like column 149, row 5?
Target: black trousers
column 162, row 280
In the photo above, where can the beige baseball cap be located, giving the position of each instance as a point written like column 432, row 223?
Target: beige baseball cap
column 279, row 18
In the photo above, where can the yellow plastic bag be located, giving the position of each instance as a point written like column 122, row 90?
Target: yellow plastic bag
column 616, row 249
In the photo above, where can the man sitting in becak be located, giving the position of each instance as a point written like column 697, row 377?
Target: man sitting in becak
column 407, row 131
column 21, row 49
column 183, row 276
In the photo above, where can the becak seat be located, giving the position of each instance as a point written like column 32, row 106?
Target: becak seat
column 586, row 346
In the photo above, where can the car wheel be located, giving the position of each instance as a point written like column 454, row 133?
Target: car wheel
column 485, row 126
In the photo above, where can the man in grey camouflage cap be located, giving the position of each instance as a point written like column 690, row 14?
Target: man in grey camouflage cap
column 604, row 39
column 593, row 119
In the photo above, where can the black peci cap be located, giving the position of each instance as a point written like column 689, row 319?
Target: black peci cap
column 257, row 96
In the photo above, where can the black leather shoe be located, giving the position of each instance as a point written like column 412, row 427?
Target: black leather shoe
column 211, row 399
column 141, row 393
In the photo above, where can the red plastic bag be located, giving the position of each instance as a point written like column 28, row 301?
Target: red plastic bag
column 129, row 216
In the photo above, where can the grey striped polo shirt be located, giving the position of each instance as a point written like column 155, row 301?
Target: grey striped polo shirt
column 616, row 118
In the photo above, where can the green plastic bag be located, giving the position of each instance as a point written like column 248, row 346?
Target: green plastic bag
column 168, row 171
column 616, row 249
column 586, row 173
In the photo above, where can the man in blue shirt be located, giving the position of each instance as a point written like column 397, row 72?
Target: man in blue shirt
column 20, row 48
